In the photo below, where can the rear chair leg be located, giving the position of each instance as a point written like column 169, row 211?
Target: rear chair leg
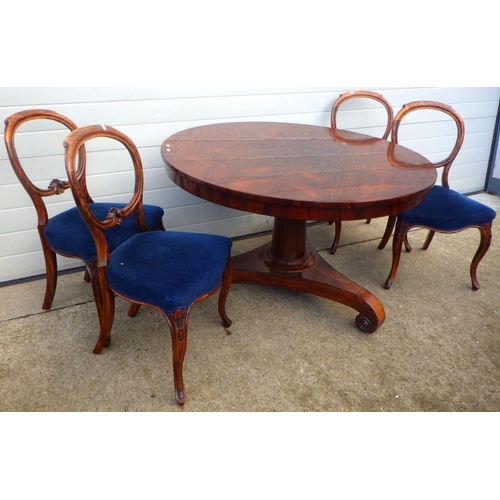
column 134, row 309
column 388, row 231
column 336, row 239
column 397, row 246
column 428, row 240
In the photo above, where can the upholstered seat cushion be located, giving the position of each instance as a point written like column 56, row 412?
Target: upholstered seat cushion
column 68, row 234
column 448, row 211
column 167, row 269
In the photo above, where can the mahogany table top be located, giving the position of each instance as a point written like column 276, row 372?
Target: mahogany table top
column 297, row 171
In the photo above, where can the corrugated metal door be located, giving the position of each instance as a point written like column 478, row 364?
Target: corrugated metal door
column 493, row 181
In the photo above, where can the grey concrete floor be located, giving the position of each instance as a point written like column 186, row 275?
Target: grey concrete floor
column 438, row 350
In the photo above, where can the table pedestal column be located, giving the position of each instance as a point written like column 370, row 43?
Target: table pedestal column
column 290, row 261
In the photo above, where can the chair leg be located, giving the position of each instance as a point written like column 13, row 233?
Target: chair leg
column 178, row 324
column 428, row 240
column 134, row 309
column 51, row 280
column 397, row 246
column 484, row 245
column 105, row 305
column 336, row 239
column 407, row 244
column 86, row 276
column 391, row 222
column 50, row 273
column 227, row 278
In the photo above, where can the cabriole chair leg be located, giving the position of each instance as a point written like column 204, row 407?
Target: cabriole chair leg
column 178, row 324
column 227, row 279
column 484, row 245
column 105, row 305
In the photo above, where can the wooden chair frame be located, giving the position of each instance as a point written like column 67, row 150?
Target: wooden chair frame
column 56, row 187
column 37, row 195
column 402, row 228
column 178, row 320
column 346, row 96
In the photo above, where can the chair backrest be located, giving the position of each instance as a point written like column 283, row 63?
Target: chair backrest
column 436, row 106
column 366, row 94
column 72, row 144
column 56, row 186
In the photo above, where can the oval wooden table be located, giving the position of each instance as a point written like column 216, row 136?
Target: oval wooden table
column 299, row 173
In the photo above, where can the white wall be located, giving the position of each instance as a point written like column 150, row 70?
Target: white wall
column 150, row 115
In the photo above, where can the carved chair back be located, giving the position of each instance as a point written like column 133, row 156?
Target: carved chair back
column 346, row 96
column 411, row 107
column 56, row 186
column 115, row 216
column 364, row 94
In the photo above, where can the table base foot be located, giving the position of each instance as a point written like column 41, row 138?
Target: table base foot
column 316, row 277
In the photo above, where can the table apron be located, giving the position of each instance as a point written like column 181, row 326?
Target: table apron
column 296, row 210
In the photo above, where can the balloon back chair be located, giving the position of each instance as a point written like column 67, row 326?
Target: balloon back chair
column 346, row 96
column 67, row 234
column 443, row 210
column 166, row 270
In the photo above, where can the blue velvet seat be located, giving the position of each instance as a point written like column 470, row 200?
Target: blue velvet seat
column 443, row 210
column 77, row 242
column 446, row 211
column 66, row 233
column 347, row 96
column 167, row 270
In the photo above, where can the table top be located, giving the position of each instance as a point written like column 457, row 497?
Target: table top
column 297, row 171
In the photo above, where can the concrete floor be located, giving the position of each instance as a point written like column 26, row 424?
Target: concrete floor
column 438, row 350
